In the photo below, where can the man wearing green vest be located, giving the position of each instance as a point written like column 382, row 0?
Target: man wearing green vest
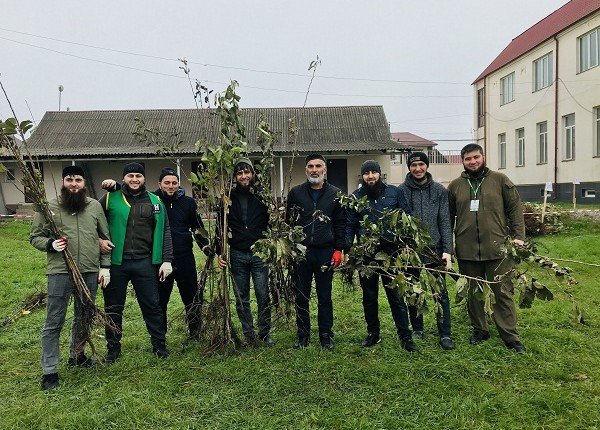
column 142, row 254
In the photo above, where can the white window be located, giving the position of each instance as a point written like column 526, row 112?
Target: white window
column 502, row 151
column 569, row 149
column 542, row 72
column 481, row 107
column 542, row 142
column 597, row 131
column 520, row 134
column 589, row 49
column 507, row 89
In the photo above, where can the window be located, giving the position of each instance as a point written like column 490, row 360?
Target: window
column 542, row 142
column 569, row 149
column 520, row 134
column 507, row 89
column 502, row 151
column 589, row 49
column 542, row 72
column 481, row 107
column 588, row 194
column 8, row 174
column 597, row 131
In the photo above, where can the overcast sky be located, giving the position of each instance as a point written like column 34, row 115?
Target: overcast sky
column 416, row 58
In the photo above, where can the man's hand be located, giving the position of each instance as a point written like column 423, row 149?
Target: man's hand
column 109, row 184
column 106, row 246
column 518, row 242
column 60, row 244
column 336, row 258
column 447, row 259
column 165, row 270
column 104, row 277
column 222, row 262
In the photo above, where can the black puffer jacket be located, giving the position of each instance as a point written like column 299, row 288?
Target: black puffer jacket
column 326, row 233
column 244, row 234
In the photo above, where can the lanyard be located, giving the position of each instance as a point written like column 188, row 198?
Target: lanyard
column 475, row 190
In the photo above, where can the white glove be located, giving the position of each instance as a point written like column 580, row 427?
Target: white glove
column 447, row 258
column 59, row 245
column 165, row 270
column 104, row 277
column 109, row 184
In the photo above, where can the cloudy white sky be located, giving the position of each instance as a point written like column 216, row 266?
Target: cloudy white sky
column 416, row 58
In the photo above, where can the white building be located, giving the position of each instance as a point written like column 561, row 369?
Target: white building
column 537, row 105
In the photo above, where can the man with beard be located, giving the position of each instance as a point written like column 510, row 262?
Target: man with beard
column 314, row 205
column 82, row 223
column 488, row 209
column 428, row 201
column 247, row 222
column 381, row 197
column 139, row 230
column 185, row 224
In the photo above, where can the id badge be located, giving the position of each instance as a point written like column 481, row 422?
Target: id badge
column 474, row 205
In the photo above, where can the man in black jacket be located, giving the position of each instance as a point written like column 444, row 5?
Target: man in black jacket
column 314, row 205
column 247, row 222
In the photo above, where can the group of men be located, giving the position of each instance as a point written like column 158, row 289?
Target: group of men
column 135, row 235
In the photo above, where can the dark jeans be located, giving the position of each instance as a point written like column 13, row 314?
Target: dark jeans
column 244, row 265
column 370, row 288
column 305, row 271
column 184, row 272
column 144, row 277
column 443, row 321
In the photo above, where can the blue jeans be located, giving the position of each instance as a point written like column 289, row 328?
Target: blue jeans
column 243, row 265
column 60, row 290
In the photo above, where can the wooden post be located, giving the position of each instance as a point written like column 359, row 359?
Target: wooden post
column 544, row 207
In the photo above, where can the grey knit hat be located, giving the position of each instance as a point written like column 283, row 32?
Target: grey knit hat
column 370, row 166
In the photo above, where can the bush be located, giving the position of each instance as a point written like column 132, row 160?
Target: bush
column 533, row 219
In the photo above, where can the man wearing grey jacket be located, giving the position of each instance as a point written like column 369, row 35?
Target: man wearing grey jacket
column 428, row 201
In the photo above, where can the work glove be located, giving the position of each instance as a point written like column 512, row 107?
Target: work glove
column 60, row 244
column 104, row 277
column 447, row 259
column 518, row 242
column 165, row 270
column 109, row 184
column 336, row 258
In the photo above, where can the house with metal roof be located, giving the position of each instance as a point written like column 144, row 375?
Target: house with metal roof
column 102, row 142
column 537, row 106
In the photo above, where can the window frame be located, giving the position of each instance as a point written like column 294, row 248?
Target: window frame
column 597, row 131
column 510, row 78
column 569, row 138
column 501, row 151
column 546, row 69
column 542, row 142
column 585, row 41
column 520, row 147
column 481, row 107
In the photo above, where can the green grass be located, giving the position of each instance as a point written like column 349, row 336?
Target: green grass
column 483, row 387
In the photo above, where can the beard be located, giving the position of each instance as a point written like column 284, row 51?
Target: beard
column 317, row 180
column 477, row 173
column 73, row 202
column 140, row 190
column 373, row 191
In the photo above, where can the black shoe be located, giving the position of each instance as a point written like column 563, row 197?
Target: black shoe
column 418, row 334
column 408, row 344
column 302, row 341
column 50, row 381
column 82, row 360
column 112, row 355
column 371, row 340
column 517, row 346
column 326, row 341
column 160, row 351
column 268, row 340
column 479, row 336
column 446, row 343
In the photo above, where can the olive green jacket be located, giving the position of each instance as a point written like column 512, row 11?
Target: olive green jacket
column 479, row 235
column 82, row 231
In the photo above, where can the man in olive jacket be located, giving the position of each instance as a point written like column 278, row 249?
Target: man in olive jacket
column 82, row 223
column 488, row 209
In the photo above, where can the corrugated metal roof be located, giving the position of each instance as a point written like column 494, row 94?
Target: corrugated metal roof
column 547, row 28
column 102, row 133
column 407, row 139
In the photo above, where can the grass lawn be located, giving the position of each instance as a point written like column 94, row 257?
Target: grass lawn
column 555, row 385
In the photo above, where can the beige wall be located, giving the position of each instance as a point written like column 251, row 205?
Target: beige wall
column 578, row 93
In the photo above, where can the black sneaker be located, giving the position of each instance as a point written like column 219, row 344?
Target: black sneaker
column 517, row 346
column 446, row 343
column 408, row 344
column 81, row 360
column 479, row 336
column 302, row 341
column 160, row 351
column 268, row 340
column 50, row 381
column 371, row 340
column 326, row 341
column 112, row 355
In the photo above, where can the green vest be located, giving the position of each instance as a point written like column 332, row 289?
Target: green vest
column 118, row 214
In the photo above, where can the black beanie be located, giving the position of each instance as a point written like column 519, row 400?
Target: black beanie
column 167, row 171
column 133, row 168
column 417, row 156
column 73, row 171
column 370, row 165
column 313, row 156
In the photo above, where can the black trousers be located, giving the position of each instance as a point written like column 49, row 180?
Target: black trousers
column 186, row 276
column 144, row 277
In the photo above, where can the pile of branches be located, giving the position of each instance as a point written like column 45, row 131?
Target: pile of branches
column 533, row 219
